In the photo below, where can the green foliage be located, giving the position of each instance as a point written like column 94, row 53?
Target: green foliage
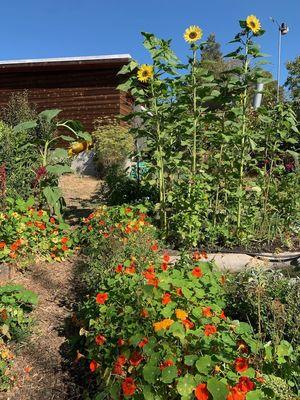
column 113, row 143
column 201, row 134
column 269, row 300
column 44, row 136
column 293, row 82
column 15, row 304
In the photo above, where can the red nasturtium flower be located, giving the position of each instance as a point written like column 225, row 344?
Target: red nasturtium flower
column 64, row 240
column 201, row 392
column 93, row 365
column 144, row 313
column 166, row 258
column 197, row 272
column 143, row 342
column 120, row 342
column 245, row 384
column 206, row 311
column 188, row 323
column 136, row 358
column 119, row 268
column 164, row 266
column 101, row 298
column 128, row 387
column 166, row 299
column 100, row 339
column 165, row 364
column 209, row 330
column 222, row 315
column 64, row 247
column 154, row 247
column 241, row 364
column 179, row 292
column 52, row 220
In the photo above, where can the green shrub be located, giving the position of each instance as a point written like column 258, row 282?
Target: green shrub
column 113, row 143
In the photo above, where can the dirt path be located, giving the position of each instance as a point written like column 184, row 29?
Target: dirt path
column 82, row 194
column 40, row 365
column 43, row 367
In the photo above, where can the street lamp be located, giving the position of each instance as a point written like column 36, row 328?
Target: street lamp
column 283, row 30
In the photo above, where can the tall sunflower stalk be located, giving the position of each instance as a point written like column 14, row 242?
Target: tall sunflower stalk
column 252, row 27
column 192, row 35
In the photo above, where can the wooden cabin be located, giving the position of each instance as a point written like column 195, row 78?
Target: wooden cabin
column 84, row 88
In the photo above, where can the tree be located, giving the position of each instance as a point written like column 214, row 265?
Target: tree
column 211, row 56
column 293, row 82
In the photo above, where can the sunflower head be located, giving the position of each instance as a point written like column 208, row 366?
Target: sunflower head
column 192, row 34
column 145, row 73
column 253, row 23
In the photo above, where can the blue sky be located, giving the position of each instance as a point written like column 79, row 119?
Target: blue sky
column 56, row 28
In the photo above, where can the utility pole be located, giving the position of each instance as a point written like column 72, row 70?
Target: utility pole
column 282, row 30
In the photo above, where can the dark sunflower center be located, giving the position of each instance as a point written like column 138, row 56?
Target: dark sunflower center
column 253, row 24
column 193, row 35
column 145, row 73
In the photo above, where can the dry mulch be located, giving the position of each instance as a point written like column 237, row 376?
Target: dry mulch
column 41, row 366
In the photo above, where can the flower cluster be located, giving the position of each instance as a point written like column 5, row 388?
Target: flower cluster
column 159, row 327
column 25, row 231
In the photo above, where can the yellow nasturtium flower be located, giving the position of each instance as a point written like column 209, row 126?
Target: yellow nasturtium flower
column 145, row 73
column 253, row 23
column 192, row 34
column 181, row 314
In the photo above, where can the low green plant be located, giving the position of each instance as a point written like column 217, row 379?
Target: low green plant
column 16, row 302
column 113, row 144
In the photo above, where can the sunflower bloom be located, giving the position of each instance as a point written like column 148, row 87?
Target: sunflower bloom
column 192, row 34
column 253, row 23
column 145, row 73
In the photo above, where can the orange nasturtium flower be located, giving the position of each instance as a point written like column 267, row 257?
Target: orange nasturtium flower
column 128, row 386
column 2, row 245
column 181, row 314
column 166, row 299
column 101, row 298
column 197, row 272
column 206, row 311
column 93, row 365
column 209, row 330
column 164, row 324
column 100, row 340
column 201, row 392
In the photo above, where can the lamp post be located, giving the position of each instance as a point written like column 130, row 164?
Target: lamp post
column 282, row 30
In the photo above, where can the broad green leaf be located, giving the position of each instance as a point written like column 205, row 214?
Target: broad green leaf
column 217, row 388
column 169, row 374
column 185, row 385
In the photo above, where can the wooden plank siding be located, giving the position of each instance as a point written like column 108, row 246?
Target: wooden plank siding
column 83, row 90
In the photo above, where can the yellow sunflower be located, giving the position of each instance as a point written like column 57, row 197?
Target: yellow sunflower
column 145, row 73
column 192, row 34
column 253, row 23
